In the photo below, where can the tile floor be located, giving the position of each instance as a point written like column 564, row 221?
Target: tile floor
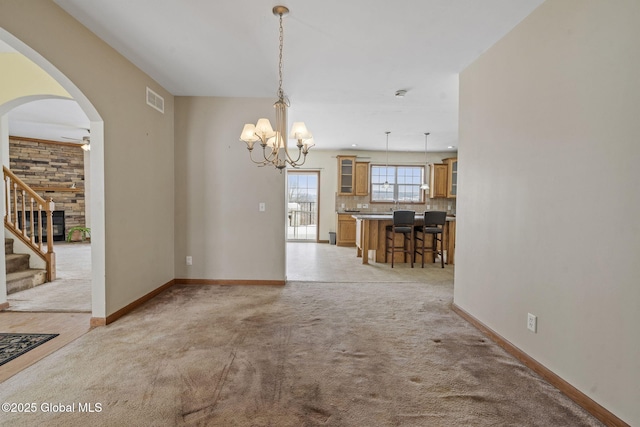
column 321, row 262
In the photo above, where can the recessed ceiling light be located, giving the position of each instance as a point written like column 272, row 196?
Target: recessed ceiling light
column 354, row 145
column 451, row 146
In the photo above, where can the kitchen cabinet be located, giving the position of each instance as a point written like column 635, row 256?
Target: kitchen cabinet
column 346, row 235
column 452, row 176
column 371, row 236
column 346, row 175
column 450, row 237
column 438, row 176
column 362, row 179
column 353, row 177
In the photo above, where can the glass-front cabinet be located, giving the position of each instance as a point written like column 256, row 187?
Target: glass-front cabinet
column 452, row 181
column 346, row 175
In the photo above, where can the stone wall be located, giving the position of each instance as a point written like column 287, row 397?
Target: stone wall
column 52, row 169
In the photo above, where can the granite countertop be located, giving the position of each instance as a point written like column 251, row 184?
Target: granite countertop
column 389, row 215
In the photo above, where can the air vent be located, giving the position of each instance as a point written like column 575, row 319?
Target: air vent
column 154, row 100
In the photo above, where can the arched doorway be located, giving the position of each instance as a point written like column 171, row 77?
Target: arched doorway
column 96, row 126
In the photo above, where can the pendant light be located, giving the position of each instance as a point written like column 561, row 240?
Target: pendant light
column 386, row 169
column 425, row 186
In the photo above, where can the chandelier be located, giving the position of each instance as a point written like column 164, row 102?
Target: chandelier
column 274, row 142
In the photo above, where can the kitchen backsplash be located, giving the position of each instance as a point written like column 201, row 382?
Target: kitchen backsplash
column 356, row 203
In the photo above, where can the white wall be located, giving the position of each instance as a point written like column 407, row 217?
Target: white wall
column 218, row 190
column 548, row 203
column 133, row 222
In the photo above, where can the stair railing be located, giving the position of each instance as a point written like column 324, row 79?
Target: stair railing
column 20, row 199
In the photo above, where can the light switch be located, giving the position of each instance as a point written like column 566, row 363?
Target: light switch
column 262, row 207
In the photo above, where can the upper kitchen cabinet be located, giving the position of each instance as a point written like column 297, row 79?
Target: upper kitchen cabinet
column 452, row 176
column 346, row 175
column 362, row 179
column 438, row 180
column 353, row 177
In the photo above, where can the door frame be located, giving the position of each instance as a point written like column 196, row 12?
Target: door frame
column 309, row 172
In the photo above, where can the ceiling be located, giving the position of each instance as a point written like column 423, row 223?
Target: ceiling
column 50, row 119
column 343, row 60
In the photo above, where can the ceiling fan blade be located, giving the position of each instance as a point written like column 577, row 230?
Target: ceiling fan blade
column 85, row 141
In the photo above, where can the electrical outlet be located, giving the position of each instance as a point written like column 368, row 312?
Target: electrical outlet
column 532, row 323
column 365, row 205
column 189, row 260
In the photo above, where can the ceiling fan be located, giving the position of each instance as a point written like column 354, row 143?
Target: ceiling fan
column 86, row 141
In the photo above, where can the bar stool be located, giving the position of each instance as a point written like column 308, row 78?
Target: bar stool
column 433, row 228
column 403, row 222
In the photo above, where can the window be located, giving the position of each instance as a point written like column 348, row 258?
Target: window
column 404, row 184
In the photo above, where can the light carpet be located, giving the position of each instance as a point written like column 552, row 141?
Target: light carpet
column 69, row 293
column 307, row 354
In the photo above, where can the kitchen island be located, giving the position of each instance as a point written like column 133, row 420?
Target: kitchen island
column 370, row 235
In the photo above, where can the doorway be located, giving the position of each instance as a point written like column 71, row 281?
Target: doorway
column 53, row 87
column 303, row 188
column 70, row 289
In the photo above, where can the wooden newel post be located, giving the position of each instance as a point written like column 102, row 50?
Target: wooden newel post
column 51, row 256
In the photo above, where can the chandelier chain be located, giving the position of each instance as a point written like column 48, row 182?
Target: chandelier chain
column 280, row 91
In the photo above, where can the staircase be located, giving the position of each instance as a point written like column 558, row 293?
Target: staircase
column 20, row 199
column 19, row 275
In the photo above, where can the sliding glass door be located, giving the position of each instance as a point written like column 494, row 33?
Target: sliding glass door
column 302, row 205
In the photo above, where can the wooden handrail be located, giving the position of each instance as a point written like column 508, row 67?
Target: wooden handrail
column 22, row 185
column 20, row 194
